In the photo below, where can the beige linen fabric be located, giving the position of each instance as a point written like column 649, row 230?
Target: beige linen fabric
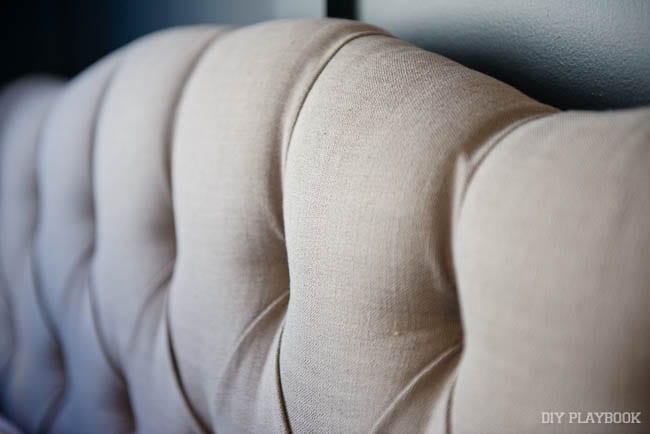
column 93, row 393
column 311, row 226
column 555, row 278
column 31, row 376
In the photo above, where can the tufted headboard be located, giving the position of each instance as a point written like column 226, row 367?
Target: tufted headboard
column 312, row 226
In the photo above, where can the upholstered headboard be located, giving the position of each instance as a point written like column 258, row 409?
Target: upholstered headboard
column 312, row 226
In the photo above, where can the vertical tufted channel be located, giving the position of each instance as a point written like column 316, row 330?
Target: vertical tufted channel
column 31, row 371
column 231, row 286
column 135, row 237
column 554, row 274
column 94, row 394
column 373, row 322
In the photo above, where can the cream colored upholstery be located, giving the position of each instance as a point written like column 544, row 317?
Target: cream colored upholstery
column 312, row 226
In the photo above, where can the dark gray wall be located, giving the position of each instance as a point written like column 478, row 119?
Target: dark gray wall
column 30, row 37
column 569, row 53
column 129, row 19
column 572, row 54
column 65, row 36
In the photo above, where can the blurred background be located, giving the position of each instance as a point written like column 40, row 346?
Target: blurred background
column 65, row 36
column 578, row 54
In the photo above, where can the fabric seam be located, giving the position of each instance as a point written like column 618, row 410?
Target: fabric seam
column 322, row 68
column 489, row 148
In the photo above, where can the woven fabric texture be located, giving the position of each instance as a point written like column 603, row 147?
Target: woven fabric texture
column 312, row 226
